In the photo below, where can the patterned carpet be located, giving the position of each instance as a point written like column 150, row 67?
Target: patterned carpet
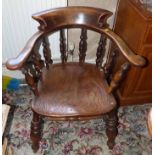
column 77, row 137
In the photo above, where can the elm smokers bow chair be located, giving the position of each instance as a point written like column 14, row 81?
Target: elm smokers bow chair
column 72, row 90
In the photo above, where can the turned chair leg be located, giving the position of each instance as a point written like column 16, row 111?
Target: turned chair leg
column 111, row 128
column 36, row 131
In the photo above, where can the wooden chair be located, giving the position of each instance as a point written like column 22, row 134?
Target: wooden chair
column 73, row 90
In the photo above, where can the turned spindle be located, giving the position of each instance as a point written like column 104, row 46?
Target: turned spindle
column 111, row 127
column 30, row 81
column 38, row 63
column 100, row 51
column 83, row 45
column 47, row 52
column 118, row 77
column 63, row 47
column 108, row 67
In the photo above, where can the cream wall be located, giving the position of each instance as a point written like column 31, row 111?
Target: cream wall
column 93, row 38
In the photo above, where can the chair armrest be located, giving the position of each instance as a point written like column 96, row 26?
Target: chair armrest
column 134, row 59
column 18, row 62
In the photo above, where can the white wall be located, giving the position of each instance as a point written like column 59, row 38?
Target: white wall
column 18, row 26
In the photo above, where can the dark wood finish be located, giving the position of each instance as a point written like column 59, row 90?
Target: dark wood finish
column 63, row 48
column 36, row 61
column 118, row 77
column 47, row 52
column 129, row 55
column 100, row 51
column 68, row 90
column 72, row 91
column 36, row 131
column 134, row 25
column 30, row 81
column 111, row 127
column 83, row 45
column 108, row 67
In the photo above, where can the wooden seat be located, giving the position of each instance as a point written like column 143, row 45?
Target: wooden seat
column 73, row 90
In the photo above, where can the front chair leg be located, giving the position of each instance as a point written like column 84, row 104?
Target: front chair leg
column 35, row 131
column 111, row 128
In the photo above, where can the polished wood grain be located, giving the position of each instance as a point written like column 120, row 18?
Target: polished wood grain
column 72, row 16
column 77, row 90
column 134, row 59
column 73, row 90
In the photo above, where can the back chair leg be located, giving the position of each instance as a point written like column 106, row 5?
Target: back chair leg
column 111, row 128
column 36, row 131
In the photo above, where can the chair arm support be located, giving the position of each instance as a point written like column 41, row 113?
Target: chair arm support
column 134, row 59
column 18, row 62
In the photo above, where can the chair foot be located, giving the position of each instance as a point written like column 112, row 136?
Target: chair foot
column 111, row 128
column 36, row 131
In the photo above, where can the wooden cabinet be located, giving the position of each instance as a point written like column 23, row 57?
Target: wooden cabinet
column 134, row 25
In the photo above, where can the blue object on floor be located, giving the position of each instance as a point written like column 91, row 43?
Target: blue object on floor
column 13, row 84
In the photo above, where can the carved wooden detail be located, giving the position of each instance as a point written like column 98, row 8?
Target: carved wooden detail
column 100, row 51
column 111, row 127
column 35, row 131
column 35, row 64
column 108, row 67
column 63, row 48
column 32, row 69
column 38, row 63
column 83, row 45
column 47, row 52
column 30, row 79
column 118, row 77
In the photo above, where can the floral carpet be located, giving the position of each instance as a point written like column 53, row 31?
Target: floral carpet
column 77, row 137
